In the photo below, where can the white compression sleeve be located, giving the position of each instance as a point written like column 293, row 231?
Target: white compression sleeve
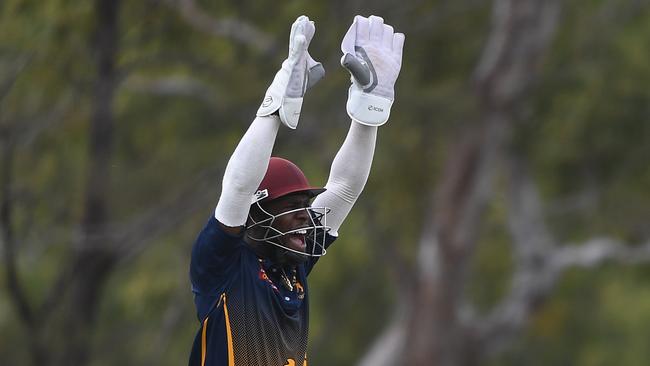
column 245, row 171
column 348, row 175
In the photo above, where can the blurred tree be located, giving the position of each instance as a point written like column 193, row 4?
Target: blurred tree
column 439, row 324
column 78, row 289
column 116, row 119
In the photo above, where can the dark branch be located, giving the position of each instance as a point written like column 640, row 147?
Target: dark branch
column 195, row 196
column 7, row 85
column 230, row 28
column 16, row 290
column 173, row 86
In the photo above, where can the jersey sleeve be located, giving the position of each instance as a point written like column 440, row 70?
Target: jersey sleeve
column 212, row 255
column 329, row 239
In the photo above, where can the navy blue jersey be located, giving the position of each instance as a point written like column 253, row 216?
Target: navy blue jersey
column 247, row 317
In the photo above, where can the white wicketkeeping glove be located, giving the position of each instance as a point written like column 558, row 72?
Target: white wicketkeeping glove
column 299, row 72
column 372, row 53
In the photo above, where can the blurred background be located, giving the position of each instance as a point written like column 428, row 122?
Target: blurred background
column 506, row 220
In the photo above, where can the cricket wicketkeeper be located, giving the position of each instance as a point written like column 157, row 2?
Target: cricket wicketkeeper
column 251, row 261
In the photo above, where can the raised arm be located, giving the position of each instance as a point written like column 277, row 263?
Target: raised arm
column 348, row 174
column 282, row 104
column 372, row 53
column 245, row 171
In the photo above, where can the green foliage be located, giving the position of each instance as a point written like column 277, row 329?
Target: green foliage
column 594, row 319
column 348, row 272
column 492, row 262
column 585, row 129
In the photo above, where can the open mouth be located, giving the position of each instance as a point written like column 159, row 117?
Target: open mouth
column 297, row 240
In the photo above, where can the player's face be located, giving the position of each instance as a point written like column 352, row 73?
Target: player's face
column 291, row 221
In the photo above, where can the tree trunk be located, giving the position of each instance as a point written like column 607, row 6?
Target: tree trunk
column 93, row 257
column 438, row 334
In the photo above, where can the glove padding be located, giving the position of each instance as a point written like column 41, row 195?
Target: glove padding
column 372, row 53
column 299, row 72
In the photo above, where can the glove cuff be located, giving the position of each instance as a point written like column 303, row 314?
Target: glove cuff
column 270, row 104
column 275, row 93
column 275, row 99
column 367, row 109
column 290, row 111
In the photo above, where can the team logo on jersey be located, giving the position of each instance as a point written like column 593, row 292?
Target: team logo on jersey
column 264, row 277
column 300, row 291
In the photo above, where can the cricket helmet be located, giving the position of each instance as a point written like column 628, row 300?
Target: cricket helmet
column 284, row 178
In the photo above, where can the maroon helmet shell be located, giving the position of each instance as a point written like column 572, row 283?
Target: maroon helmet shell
column 284, row 177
